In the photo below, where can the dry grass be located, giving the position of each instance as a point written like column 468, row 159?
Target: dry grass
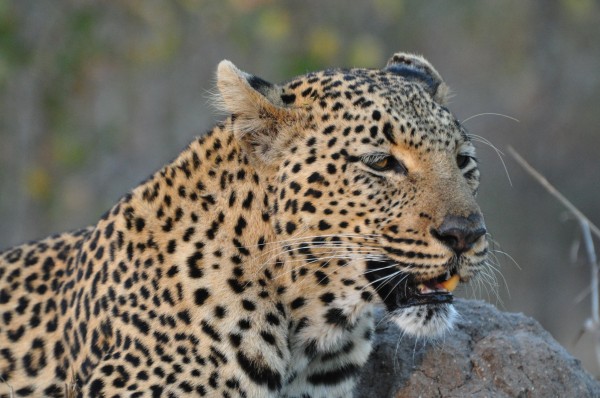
column 71, row 388
column 11, row 392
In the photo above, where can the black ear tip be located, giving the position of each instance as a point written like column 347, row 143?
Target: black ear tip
column 402, row 58
column 259, row 84
column 411, row 72
column 416, row 68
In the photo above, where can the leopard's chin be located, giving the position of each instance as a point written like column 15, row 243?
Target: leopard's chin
column 419, row 307
column 429, row 320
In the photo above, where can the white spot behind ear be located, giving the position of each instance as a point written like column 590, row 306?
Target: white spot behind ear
column 235, row 94
column 256, row 103
column 260, row 115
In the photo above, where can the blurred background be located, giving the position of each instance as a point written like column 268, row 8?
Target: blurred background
column 96, row 95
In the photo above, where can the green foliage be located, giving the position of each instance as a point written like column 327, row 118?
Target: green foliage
column 96, row 94
column 273, row 24
column 13, row 52
column 579, row 9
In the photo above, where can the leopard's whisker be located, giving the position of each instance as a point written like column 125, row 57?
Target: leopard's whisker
column 300, row 241
column 500, row 154
column 490, row 114
column 306, row 237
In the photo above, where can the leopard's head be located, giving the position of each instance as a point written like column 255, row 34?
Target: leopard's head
column 373, row 185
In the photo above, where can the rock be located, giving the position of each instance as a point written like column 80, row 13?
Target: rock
column 488, row 354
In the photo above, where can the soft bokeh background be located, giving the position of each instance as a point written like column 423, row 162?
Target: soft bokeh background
column 96, row 95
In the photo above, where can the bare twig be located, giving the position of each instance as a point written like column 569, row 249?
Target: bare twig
column 592, row 324
column 553, row 191
column 593, row 263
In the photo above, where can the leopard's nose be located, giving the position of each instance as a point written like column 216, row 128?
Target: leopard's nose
column 460, row 233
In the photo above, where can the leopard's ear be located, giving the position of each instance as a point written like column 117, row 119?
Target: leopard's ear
column 259, row 112
column 416, row 68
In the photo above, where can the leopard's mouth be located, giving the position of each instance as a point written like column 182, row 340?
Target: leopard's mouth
column 402, row 289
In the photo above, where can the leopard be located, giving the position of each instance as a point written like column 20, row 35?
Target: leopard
column 252, row 264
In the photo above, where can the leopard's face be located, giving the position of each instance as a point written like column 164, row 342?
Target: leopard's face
column 379, row 190
column 374, row 185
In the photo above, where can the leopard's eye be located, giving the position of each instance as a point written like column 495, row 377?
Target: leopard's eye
column 383, row 163
column 462, row 161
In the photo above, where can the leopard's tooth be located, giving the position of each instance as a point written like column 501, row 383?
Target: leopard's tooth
column 451, row 283
column 423, row 289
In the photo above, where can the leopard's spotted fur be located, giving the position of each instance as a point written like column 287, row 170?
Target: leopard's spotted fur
column 250, row 265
